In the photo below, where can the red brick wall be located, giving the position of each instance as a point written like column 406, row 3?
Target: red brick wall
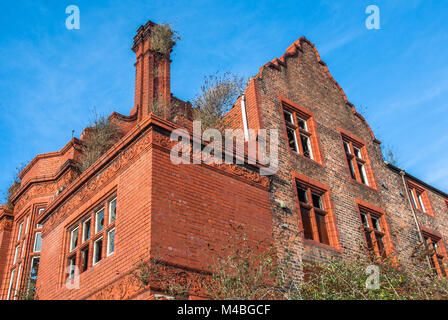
column 194, row 207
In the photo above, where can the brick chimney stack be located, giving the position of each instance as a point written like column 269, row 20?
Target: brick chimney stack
column 152, row 75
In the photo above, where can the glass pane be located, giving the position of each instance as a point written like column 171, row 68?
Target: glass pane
column 288, row 117
column 411, row 191
column 16, row 254
column 376, row 224
column 19, row 235
column 98, row 248
column 74, row 239
column 322, row 229
column 317, row 201
column 347, row 148
column 352, row 169
column 302, row 194
column 380, row 244
column 72, row 264
column 99, row 220
column 365, row 221
column 84, row 259
column 111, row 242
column 362, row 171
column 302, row 124
column 34, row 268
column 112, row 210
column 357, row 152
column 306, row 222
column 306, row 146
column 86, row 230
column 292, row 140
column 369, row 240
column 420, row 200
column 37, row 242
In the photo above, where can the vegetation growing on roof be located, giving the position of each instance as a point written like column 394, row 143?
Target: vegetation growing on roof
column 14, row 187
column 101, row 135
column 217, row 96
column 163, row 38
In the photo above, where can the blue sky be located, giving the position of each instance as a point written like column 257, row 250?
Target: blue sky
column 51, row 78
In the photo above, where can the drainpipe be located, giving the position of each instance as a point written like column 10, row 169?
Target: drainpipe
column 408, row 197
column 244, row 115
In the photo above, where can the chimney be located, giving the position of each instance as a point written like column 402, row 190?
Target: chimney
column 152, row 75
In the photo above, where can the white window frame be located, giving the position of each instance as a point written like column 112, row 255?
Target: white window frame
column 305, row 121
column 308, row 143
column 110, row 205
column 94, row 262
column 17, row 281
column 414, row 201
column 96, row 220
column 108, row 242
column 11, row 281
column 366, row 220
column 16, row 254
column 35, row 241
column 72, row 233
column 19, row 234
column 364, row 173
column 27, row 224
column 38, row 226
column 32, row 261
column 291, row 117
column 23, row 247
column 71, row 274
column 87, row 221
column 420, row 200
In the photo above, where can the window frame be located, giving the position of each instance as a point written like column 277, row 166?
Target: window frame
column 383, row 248
column 91, row 216
column 95, row 250
column 432, row 238
column 16, row 254
column 115, row 214
column 357, row 160
column 309, row 131
column 35, row 241
column 108, row 252
column 313, row 187
column 39, row 212
column 16, row 289
column 73, row 232
column 420, row 198
column 101, row 209
column 19, row 232
column 84, row 223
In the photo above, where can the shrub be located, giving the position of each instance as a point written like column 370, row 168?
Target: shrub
column 100, row 137
column 244, row 270
column 248, row 273
column 28, row 290
column 163, row 38
column 14, row 187
column 218, row 94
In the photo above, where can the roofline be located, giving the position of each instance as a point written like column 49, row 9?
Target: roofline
column 417, row 180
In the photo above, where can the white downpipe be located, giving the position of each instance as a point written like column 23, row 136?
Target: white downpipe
column 243, row 113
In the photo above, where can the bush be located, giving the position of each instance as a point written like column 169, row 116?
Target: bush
column 218, row 94
column 163, row 38
column 248, row 273
column 14, row 187
column 100, row 137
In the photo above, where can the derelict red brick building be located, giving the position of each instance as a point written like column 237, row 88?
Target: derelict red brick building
column 332, row 188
